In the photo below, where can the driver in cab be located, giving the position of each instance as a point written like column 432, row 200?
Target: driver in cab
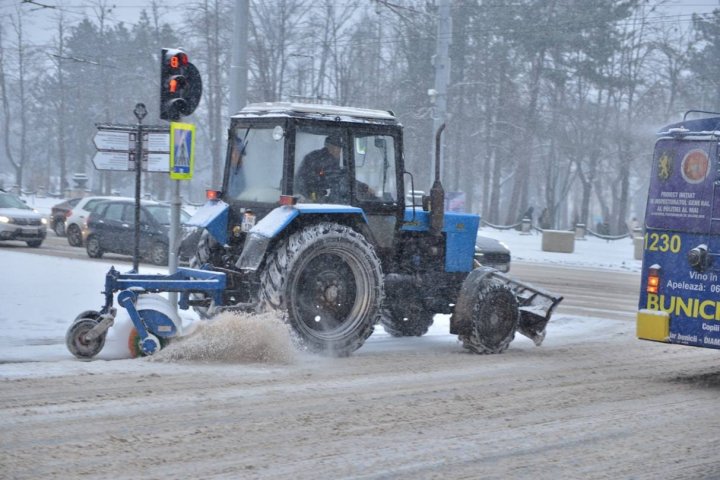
column 320, row 172
column 312, row 177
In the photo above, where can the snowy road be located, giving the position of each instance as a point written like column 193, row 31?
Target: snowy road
column 592, row 402
column 595, row 403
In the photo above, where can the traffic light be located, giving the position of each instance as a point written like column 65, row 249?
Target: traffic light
column 180, row 85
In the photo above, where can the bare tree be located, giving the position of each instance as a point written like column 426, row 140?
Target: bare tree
column 274, row 27
column 61, row 103
column 17, row 162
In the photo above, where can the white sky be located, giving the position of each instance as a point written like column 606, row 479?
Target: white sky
column 41, row 22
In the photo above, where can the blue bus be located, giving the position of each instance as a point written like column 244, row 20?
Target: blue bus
column 680, row 285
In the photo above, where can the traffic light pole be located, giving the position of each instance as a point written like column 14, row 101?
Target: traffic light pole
column 140, row 112
column 174, row 248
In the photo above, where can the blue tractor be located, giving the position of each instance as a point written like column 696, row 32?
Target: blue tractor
column 312, row 222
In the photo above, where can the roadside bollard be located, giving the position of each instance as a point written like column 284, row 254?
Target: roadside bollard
column 525, row 228
column 580, row 231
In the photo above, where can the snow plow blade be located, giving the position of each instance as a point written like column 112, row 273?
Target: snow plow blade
column 536, row 307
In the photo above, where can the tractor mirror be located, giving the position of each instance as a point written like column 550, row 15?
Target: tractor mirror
column 278, row 133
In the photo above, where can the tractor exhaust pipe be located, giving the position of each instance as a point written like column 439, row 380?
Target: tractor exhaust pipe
column 437, row 193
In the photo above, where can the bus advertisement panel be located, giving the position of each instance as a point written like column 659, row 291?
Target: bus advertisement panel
column 680, row 283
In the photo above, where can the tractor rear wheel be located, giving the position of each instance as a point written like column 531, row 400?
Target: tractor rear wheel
column 327, row 281
column 406, row 320
column 492, row 311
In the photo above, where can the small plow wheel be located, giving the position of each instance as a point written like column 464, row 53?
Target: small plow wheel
column 77, row 342
column 488, row 311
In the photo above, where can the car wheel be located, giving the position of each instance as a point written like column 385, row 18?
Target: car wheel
column 74, row 236
column 94, row 250
column 59, row 227
column 159, row 254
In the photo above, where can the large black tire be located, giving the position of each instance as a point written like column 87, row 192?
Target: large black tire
column 408, row 319
column 327, row 281
column 208, row 251
column 491, row 309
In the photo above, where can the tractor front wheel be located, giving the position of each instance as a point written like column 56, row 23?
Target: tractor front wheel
column 327, row 280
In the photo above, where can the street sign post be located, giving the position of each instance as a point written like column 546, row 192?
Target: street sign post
column 118, row 161
column 112, row 140
column 116, row 150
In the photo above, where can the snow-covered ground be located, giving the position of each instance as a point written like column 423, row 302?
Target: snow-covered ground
column 592, row 402
column 591, row 252
column 41, row 295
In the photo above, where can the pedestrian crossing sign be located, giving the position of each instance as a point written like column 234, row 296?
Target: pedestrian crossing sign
column 182, row 150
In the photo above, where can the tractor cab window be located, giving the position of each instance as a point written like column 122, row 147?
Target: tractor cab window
column 321, row 173
column 375, row 168
column 255, row 164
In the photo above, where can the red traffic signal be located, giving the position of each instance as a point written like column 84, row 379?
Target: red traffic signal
column 180, row 85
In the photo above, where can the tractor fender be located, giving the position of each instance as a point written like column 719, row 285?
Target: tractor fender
column 213, row 216
column 276, row 222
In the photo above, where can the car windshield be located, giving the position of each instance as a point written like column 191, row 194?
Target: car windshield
column 11, row 201
column 256, row 164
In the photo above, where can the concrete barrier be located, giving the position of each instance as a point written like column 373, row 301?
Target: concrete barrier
column 558, row 241
column 580, row 231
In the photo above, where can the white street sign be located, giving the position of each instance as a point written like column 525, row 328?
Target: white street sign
column 112, row 161
column 157, row 162
column 114, row 140
column 158, row 143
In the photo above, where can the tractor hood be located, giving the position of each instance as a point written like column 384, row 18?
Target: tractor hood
column 212, row 216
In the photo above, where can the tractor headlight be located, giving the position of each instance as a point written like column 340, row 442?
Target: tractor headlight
column 4, row 219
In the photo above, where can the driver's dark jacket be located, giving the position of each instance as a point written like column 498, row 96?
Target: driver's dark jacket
column 312, row 181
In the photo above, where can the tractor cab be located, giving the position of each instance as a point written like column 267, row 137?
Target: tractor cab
column 280, row 153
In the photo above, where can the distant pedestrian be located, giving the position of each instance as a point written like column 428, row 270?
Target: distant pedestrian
column 544, row 219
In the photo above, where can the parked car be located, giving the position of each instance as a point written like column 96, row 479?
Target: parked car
column 20, row 222
column 59, row 213
column 76, row 222
column 493, row 253
column 111, row 229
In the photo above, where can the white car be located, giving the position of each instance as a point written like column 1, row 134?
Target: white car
column 20, row 222
column 76, row 223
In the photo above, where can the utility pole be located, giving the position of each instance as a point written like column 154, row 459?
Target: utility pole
column 238, row 65
column 441, row 62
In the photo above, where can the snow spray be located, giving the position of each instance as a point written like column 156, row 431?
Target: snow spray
column 234, row 338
